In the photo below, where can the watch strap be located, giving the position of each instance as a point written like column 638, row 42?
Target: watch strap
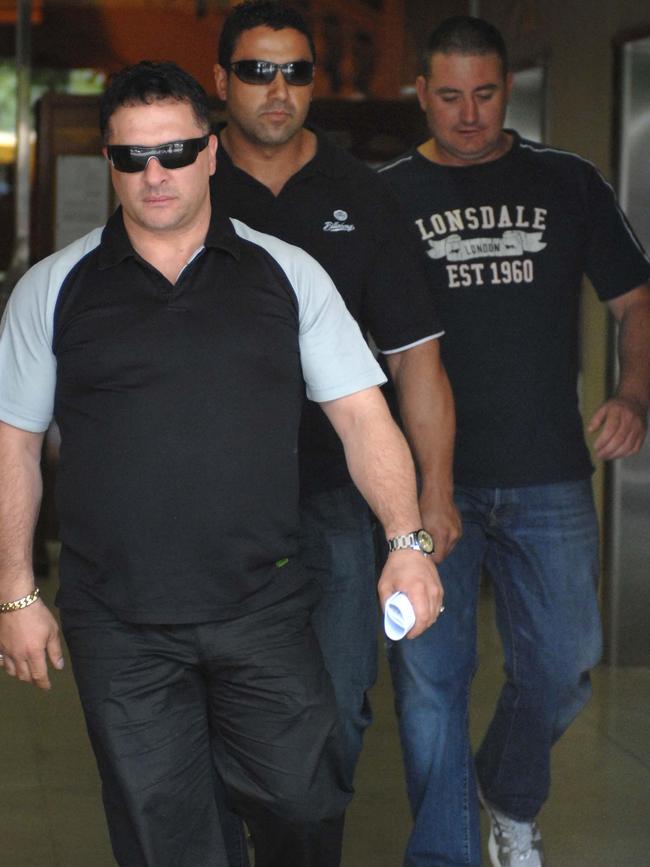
column 417, row 540
column 408, row 540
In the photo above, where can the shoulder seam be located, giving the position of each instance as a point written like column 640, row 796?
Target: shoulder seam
column 396, row 163
column 571, row 154
column 542, row 148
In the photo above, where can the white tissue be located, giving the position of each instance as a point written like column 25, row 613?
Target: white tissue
column 399, row 616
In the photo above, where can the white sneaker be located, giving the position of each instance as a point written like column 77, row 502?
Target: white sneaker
column 513, row 843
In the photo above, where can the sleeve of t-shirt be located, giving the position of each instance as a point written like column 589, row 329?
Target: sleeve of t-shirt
column 27, row 363
column 615, row 260
column 335, row 359
column 398, row 306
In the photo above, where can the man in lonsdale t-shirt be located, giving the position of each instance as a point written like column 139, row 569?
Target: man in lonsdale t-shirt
column 508, row 228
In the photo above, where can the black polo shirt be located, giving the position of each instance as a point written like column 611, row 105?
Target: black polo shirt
column 179, row 407
column 350, row 221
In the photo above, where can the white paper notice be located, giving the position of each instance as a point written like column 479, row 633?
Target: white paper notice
column 82, row 197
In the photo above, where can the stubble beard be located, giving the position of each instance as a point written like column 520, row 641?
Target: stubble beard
column 491, row 150
column 258, row 131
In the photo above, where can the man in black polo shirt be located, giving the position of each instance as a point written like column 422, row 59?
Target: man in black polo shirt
column 281, row 177
column 173, row 348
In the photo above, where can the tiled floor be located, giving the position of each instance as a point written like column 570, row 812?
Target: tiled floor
column 599, row 814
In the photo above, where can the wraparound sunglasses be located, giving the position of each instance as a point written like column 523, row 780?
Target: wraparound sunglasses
column 171, row 155
column 297, row 72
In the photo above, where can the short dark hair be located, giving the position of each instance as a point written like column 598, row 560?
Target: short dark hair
column 260, row 13
column 150, row 81
column 463, row 34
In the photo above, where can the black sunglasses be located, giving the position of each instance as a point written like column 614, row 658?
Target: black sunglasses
column 172, row 155
column 297, row 72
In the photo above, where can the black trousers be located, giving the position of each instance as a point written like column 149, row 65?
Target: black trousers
column 169, row 707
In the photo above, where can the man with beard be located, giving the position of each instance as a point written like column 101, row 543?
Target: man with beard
column 283, row 177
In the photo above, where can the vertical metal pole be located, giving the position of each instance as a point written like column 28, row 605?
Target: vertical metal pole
column 20, row 259
column 23, row 129
column 473, row 8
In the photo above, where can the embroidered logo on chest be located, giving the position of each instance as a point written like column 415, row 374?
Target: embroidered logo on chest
column 338, row 224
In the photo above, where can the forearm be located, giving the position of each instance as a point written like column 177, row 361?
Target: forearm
column 20, row 496
column 622, row 419
column 427, row 412
column 378, row 458
column 381, row 467
column 634, row 355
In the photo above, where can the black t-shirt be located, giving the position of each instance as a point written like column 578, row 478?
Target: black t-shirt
column 507, row 243
column 349, row 220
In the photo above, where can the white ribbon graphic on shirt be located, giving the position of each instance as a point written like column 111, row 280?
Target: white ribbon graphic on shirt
column 513, row 243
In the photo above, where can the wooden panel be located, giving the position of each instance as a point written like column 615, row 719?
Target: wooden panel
column 374, row 131
column 65, row 125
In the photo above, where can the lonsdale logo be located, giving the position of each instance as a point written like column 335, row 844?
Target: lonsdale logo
column 442, row 232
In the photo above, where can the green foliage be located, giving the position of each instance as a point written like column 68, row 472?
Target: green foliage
column 83, row 81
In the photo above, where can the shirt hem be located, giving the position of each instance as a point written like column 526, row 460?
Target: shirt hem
column 577, row 476
column 22, row 423
column 334, row 393
column 426, row 339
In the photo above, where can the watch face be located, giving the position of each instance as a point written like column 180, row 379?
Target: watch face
column 425, row 542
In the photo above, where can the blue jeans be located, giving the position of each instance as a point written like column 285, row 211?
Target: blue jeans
column 337, row 545
column 539, row 545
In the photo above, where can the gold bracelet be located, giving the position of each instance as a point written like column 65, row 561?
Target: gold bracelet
column 17, row 604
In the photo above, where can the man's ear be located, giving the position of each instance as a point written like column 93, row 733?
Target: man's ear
column 421, row 90
column 221, row 81
column 213, row 144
